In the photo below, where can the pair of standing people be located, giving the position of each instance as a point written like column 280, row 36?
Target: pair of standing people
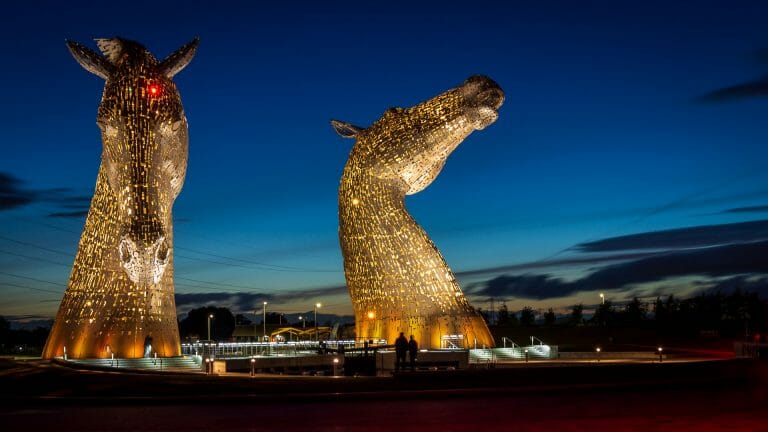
column 403, row 345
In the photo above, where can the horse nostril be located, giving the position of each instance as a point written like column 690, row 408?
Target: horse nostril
column 492, row 97
column 126, row 256
column 161, row 252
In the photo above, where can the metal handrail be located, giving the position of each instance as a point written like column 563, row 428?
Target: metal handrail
column 504, row 340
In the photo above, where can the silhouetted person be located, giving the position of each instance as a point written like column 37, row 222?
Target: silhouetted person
column 148, row 345
column 413, row 351
column 401, row 347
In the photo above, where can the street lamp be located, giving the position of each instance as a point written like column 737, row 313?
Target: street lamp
column 317, row 306
column 602, row 298
column 210, row 317
column 598, row 354
column 265, row 322
column 660, row 350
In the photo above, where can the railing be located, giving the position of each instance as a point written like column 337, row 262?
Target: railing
column 453, row 341
column 505, row 339
column 266, row 349
column 534, row 338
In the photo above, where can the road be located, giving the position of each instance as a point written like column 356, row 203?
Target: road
column 390, row 405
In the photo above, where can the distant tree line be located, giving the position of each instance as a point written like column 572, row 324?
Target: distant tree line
column 736, row 314
column 195, row 324
column 21, row 341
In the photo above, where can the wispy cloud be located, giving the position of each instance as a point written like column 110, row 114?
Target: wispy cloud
column 756, row 88
column 752, row 209
column 14, row 195
column 691, row 237
column 719, row 261
column 757, row 285
column 78, row 214
column 749, row 89
column 244, row 301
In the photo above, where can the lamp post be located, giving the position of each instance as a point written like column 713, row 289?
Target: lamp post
column 660, row 350
column 264, row 321
column 602, row 298
column 598, row 354
column 317, row 306
column 210, row 317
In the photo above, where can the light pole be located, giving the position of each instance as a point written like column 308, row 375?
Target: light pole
column 210, row 317
column 265, row 322
column 602, row 298
column 317, row 306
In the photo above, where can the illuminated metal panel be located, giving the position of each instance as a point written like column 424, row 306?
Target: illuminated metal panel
column 397, row 279
column 121, row 287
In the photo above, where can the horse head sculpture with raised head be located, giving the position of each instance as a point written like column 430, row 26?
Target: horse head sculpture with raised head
column 397, row 279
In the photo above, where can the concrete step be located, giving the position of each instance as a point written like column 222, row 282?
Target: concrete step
column 190, row 364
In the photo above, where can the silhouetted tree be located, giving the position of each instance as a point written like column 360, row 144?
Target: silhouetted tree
column 513, row 321
column 527, row 316
column 604, row 314
column 549, row 317
column 196, row 323
column 241, row 319
column 503, row 315
column 29, row 341
column 577, row 315
column 634, row 311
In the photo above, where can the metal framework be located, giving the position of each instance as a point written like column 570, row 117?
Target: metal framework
column 120, row 291
column 396, row 277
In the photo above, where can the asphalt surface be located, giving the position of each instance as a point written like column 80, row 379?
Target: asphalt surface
column 702, row 396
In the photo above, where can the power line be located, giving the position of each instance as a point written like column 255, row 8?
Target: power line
column 274, row 267
column 69, row 254
column 32, row 279
column 35, row 258
column 30, row 288
column 271, row 267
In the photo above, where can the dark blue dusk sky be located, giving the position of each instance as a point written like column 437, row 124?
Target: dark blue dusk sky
column 615, row 166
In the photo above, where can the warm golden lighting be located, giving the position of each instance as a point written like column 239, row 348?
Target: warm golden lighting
column 391, row 265
column 122, row 279
column 371, row 315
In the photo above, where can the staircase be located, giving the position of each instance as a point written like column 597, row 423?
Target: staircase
column 510, row 354
column 482, row 356
column 167, row 364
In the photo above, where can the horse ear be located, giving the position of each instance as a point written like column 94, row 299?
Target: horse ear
column 111, row 48
column 346, row 130
column 90, row 60
column 179, row 59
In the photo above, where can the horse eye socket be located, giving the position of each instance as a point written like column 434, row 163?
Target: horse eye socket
column 154, row 90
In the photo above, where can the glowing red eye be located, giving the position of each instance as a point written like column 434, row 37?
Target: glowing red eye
column 153, row 90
